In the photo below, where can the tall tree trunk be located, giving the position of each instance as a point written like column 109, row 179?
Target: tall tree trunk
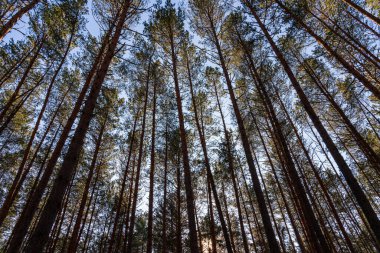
column 179, row 217
column 271, row 237
column 212, row 220
column 360, row 196
column 73, row 245
column 139, row 162
column 123, row 184
column 373, row 158
column 152, row 168
column 40, row 234
column 185, row 155
column 13, row 20
column 362, row 11
column 19, row 179
column 29, row 210
column 164, row 237
column 319, row 179
column 15, row 93
column 367, row 83
column 231, row 169
column 210, row 177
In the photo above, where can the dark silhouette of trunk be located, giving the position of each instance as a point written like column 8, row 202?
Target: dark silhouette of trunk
column 349, row 39
column 229, row 224
column 360, row 196
column 367, row 83
column 164, row 238
column 284, row 198
column 231, row 169
column 13, row 20
column 19, row 178
column 152, row 168
column 8, row 73
column 310, row 220
column 123, row 185
column 363, row 11
column 270, row 206
column 129, row 205
column 29, row 210
column 139, row 162
column 210, row 177
column 319, row 179
column 73, row 245
column 373, row 158
column 40, row 234
column 212, row 220
column 15, row 93
column 365, row 25
column 179, row 217
column 185, row 155
column 272, row 242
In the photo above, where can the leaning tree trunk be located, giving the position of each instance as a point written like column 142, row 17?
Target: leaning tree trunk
column 210, row 177
column 13, row 20
column 272, row 241
column 23, row 222
column 40, row 235
column 358, row 192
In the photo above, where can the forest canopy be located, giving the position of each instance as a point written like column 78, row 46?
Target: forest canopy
column 189, row 126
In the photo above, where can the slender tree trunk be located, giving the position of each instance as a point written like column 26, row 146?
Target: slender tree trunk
column 360, row 196
column 26, row 216
column 367, row 83
column 232, row 172
column 207, row 164
column 272, row 242
column 40, row 234
column 13, row 20
column 179, row 217
column 363, row 11
column 123, row 184
column 19, row 179
column 139, row 162
column 319, row 179
column 185, row 155
column 164, row 237
column 212, row 220
column 73, row 245
column 15, row 93
column 152, row 168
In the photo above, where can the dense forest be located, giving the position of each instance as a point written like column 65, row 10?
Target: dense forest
column 189, row 126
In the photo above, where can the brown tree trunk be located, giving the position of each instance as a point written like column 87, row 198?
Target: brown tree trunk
column 179, row 217
column 19, row 179
column 13, row 20
column 185, row 155
column 232, row 170
column 15, row 93
column 123, row 184
column 152, row 168
column 139, row 162
column 207, row 164
column 271, row 237
column 212, row 220
column 73, row 244
column 373, row 158
column 164, row 237
column 362, row 11
column 319, row 179
column 367, row 83
column 40, row 234
column 360, row 196
column 26, row 216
